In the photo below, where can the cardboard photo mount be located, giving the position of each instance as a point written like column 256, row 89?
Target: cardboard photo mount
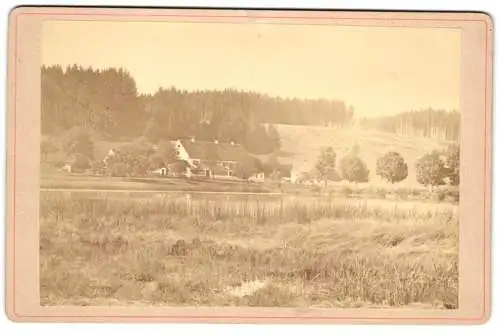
column 23, row 140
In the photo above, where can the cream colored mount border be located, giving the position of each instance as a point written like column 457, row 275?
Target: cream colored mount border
column 23, row 175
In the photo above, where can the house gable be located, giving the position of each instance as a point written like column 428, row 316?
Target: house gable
column 180, row 150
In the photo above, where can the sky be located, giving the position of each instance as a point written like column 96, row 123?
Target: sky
column 379, row 71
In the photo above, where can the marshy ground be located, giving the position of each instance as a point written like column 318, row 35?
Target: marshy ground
column 151, row 249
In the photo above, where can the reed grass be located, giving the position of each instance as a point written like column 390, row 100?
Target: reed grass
column 102, row 250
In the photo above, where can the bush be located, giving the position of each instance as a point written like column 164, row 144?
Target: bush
column 81, row 163
column 431, row 169
column 452, row 193
column 381, row 193
column 132, row 159
column 118, row 169
column 315, row 189
column 402, row 193
column 439, row 195
column 78, row 141
column 392, row 167
column 245, row 168
column 415, row 192
column 97, row 165
column 353, row 169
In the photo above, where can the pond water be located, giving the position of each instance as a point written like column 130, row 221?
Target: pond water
column 227, row 198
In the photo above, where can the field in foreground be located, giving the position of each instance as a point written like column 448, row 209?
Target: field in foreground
column 104, row 249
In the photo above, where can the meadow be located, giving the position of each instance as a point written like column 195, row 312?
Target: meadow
column 165, row 249
column 100, row 183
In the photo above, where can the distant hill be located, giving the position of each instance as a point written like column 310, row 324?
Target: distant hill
column 307, row 141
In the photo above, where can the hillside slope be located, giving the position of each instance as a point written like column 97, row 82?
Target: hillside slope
column 306, row 142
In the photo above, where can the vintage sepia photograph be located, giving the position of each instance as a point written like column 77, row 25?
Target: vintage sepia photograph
column 249, row 164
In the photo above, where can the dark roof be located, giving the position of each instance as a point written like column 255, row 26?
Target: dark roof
column 214, row 151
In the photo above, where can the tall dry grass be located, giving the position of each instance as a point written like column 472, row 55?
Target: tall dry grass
column 257, row 208
column 184, row 251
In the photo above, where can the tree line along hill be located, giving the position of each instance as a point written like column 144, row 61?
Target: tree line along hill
column 107, row 102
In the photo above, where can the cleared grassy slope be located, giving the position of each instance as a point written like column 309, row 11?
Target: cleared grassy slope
column 307, row 141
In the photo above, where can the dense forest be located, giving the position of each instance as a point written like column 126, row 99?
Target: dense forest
column 439, row 124
column 107, row 102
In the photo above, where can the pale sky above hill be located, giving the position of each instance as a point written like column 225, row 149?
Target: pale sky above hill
column 380, row 71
